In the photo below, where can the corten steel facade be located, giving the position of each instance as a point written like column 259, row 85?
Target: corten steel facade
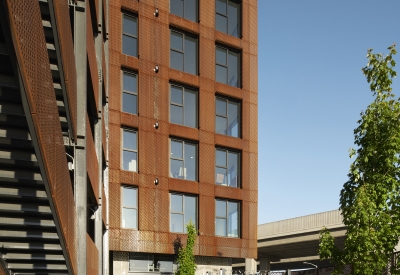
column 153, row 180
column 53, row 141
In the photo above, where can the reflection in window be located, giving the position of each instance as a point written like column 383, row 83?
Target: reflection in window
column 183, row 209
column 129, row 93
column 227, row 68
column 143, row 263
column 129, row 150
column 129, row 35
column 129, row 207
column 227, row 218
column 227, row 114
column 183, row 107
column 183, row 160
column 227, row 18
column 227, row 168
column 183, row 54
column 184, row 8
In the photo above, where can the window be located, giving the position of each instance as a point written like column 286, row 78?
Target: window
column 184, row 8
column 227, row 114
column 183, row 209
column 183, row 160
column 129, row 35
column 129, row 93
column 227, row 18
column 183, row 107
column 129, row 150
column 142, row 263
column 227, row 66
column 227, row 168
column 183, row 52
column 226, row 218
column 129, row 207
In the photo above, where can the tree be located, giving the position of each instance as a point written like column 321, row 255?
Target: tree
column 186, row 264
column 370, row 199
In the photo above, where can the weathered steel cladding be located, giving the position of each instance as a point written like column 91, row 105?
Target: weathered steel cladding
column 92, row 163
column 92, row 258
column 68, row 58
column 153, row 144
column 30, row 48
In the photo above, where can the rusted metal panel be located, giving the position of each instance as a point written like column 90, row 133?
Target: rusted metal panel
column 30, row 47
column 153, row 105
column 68, row 59
column 91, row 53
column 104, row 205
column 92, row 257
column 92, row 163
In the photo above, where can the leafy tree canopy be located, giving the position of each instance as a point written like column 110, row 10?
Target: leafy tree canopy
column 186, row 264
column 370, row 199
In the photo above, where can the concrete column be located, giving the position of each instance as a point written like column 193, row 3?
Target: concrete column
column 250, row 266
column 80, row 148
column 265, row 264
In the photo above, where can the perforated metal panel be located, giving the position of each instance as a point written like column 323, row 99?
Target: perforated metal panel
column 153, row 106
column 92, row 258
column 30, row 47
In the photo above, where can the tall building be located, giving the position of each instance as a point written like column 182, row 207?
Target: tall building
column 183, row 132
column 120, row 122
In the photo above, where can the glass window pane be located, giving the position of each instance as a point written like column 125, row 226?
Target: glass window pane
column 129, row 161
column 176, row 41
column 233, row 72
column 233, row 160
column 176, row 203
column 221, row 74
column 220, row 125
column 220, row 56
column 233, row 219
column 176, row 149
column 220, row 176
column 221, row 6
column 177, row 169
column 233, row 119
column 221, row 23
column 190, row 162
column 129, row 197
column 129, row 45
column 190, row 55
column 220, row 208
column 233, row 15
column 220, row 227
column 176, row 7
column 129, row 103
column 191, row 10
column 190, row 210
column 130, row 25
column 176, row 115
column 176, row 60
column 130, row 83
column 220, row 107
column 190, row 108
column 176, row 223
column 139, row 265
column 221, row 158
column 176, row 95
column 129, row 218
column 129, row 140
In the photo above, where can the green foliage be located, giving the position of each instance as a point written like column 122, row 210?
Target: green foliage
column 370, row 199
column 186, row 264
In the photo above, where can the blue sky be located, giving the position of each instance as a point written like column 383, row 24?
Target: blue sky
column 311, row 92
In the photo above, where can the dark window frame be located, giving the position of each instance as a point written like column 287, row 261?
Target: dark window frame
column 239, row 164
column 184, row 34
column 184, row 195
column 183, row 9
column 184, row 141
column 130, row 207
column 239, row 19
column 134, row 16
column 226, row 217
column 239, row 66
column 190, row 90
column 228, row 99
column 132, row 130
column 136, row 75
